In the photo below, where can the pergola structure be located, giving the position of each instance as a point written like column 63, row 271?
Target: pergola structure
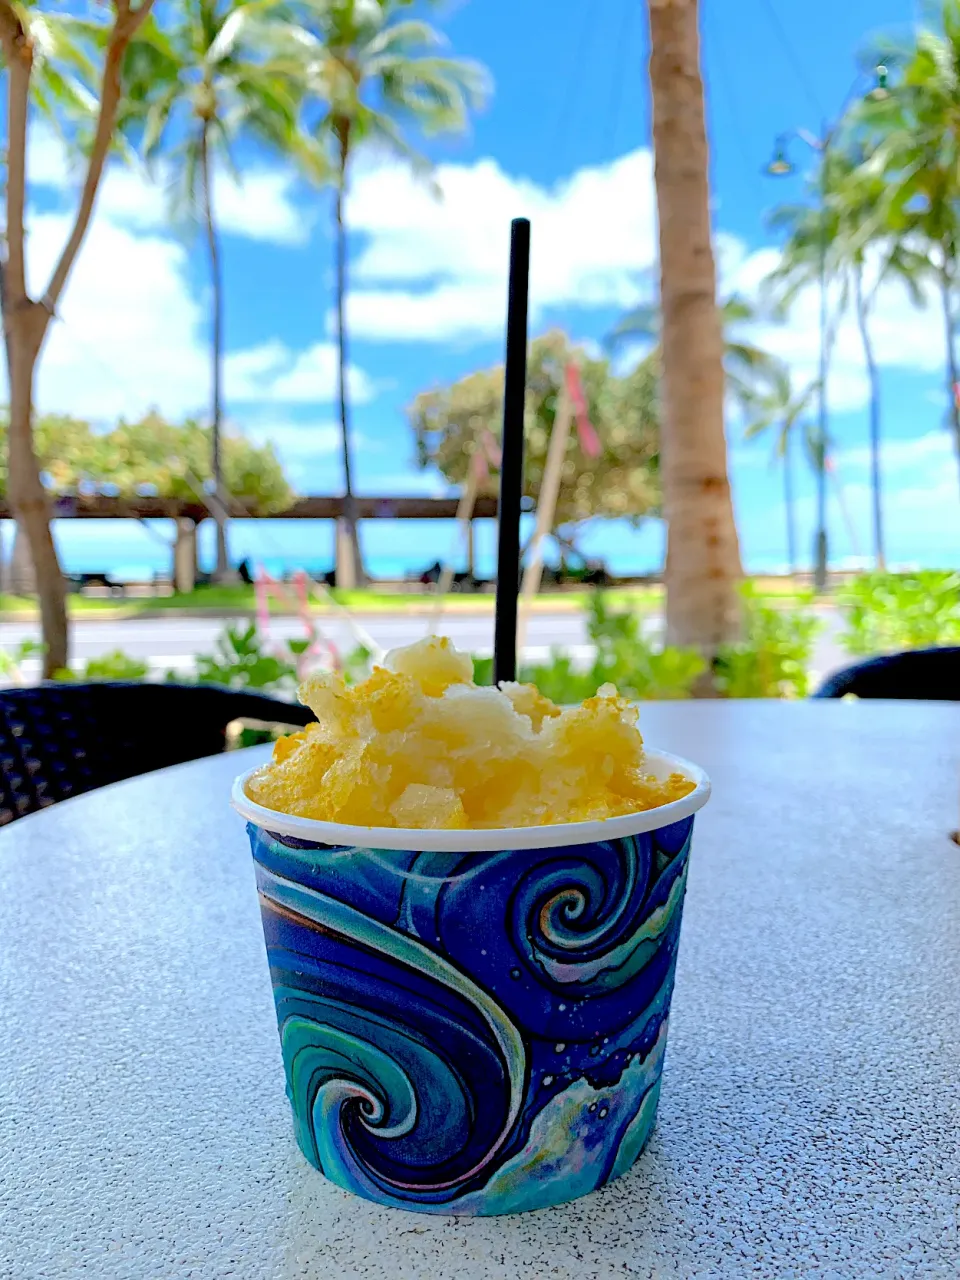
column 189, row 513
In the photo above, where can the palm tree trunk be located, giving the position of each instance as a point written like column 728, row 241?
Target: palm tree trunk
column 788, row 504
column 349, row 499
column 873, row 374
column 953, row 390
column 703, row 556
column 216, row 357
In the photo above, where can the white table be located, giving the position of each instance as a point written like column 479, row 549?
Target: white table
column 810, row 1116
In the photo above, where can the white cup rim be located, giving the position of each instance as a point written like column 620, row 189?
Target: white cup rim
column 491, row 839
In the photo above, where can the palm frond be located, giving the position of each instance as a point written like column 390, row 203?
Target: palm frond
column 641, row 324
column 400, row 37
column 736, row 309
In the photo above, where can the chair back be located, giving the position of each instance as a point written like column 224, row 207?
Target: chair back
column 60, row 740
column 922, row 674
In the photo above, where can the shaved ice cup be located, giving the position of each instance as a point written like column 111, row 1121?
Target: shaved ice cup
column 474, row 1022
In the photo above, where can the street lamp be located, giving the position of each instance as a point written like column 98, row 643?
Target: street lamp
column 881, row 89
column 780, row 166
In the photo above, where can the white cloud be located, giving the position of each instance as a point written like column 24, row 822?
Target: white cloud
column 130, row 331
column 931, row 453
column 129, row 335
column 905, row 337
column 436, row 269
column 299, row 440
column 924, row 513
column 126, row 337
column 259, row 205
column 920, row 508
column 312, row 376
column 447, row 312
column 304, row 441
column 272, row 372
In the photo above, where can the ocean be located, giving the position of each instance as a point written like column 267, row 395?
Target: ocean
column 131, row 550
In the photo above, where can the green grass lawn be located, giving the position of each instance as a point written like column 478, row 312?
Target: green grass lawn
column 240, row 599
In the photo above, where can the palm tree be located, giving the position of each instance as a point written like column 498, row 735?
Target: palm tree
column 197, row 85
column 372, row 72
column 807, row 257
column 745, row 364
column 778, row 408
column 874, row 257
column 703, row 556
column 36, row 48
column 913, row 145
column 861, row 255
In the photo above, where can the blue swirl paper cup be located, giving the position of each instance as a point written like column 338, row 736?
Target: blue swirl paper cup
column 474, row 1022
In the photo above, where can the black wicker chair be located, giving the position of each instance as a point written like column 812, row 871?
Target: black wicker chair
column 59, row 740
column 923, row 674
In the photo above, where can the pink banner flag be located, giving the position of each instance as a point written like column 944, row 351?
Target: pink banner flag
column 481, row 468
column 491, row 449
column 261, row 593
column 589, row 440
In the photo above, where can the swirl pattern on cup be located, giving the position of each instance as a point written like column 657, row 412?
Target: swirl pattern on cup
column 473, row 1033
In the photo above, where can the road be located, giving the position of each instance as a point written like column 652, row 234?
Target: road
column 170, row 644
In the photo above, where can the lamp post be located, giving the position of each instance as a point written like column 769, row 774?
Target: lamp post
column 781, row 166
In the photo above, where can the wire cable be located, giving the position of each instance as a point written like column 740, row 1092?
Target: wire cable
column 733, row 105
column 617, row 83
column 793, row 57
column 582, row 51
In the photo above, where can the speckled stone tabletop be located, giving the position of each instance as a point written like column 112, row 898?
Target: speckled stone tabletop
column 810, row 1115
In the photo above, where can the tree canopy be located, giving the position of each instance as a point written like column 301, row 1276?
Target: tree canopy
column 150, row 453
column 449, row 424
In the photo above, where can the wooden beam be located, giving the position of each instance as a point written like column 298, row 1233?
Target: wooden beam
column 101, row 507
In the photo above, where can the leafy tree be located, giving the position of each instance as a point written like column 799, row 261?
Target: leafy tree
column 197, row 84
column 59, row 64
column 372, row 73
column 450, row 423
column 174, row 461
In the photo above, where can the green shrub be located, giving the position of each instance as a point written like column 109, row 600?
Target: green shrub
column 482, row 670
column 358, row 663
column 239, row 662
column 115, row 665
column 627, row 659
column 559, row 681
column 773, row 658
column 624, row 657
column 11, row 660
column 885, row 612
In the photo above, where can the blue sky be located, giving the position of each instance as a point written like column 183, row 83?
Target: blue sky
column 564, row 139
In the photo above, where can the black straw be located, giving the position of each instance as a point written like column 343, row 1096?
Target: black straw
column 511, row 464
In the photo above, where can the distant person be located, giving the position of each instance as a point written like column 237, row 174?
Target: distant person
column 243, row 569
